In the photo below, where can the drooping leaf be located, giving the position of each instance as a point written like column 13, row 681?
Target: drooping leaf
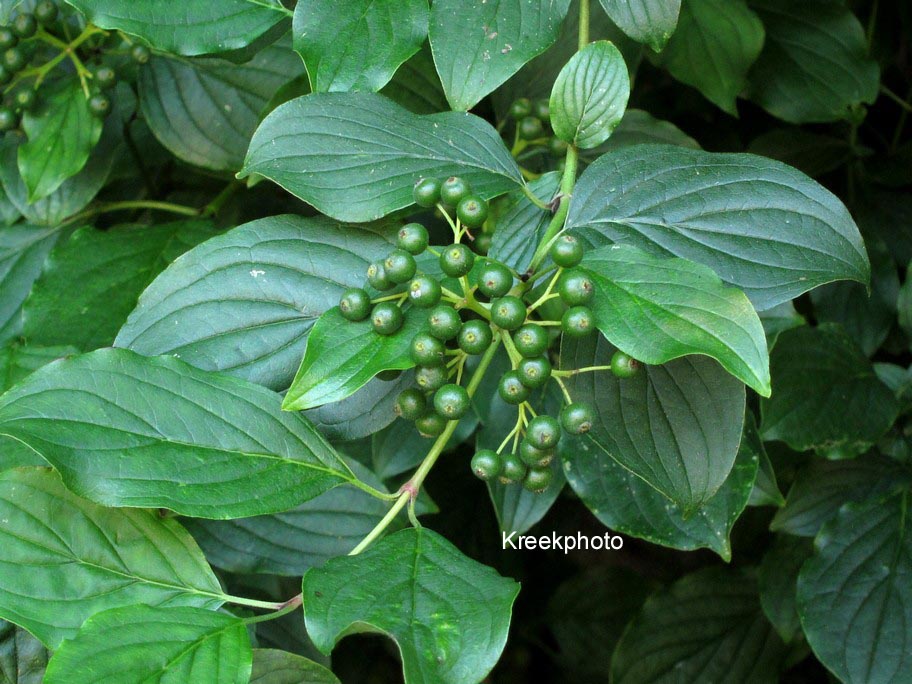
column 658, row 309
column 272, row 666
column 826, row 394
column 760, row 225
column 139, row 644
column 200, row 27
column 205, row 110
column 522, row 225
column 647, row 21
column 778, row 579
column 244, row 302
column 359, row 44
column 677, row 427
column 61, row 562
column 128, row 430
column 479, row 45
column 713, row 48
column 22, row 657
column 854, row 593
column 452, row 613
column 23, row 250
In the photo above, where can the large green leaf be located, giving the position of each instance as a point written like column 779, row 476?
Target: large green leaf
column 358, row 44
column 206, row 110
column 677, row 426
column 451, row 613
column 707, row 626
column 61, row 134
column 141, row 644
column 112, row 268
column 244, row 302
column 22, row 657
column 66, row 558
column 778, row 578
column 198, row 27
column 713, row 48
column 479, row 45
column 23, row 250
column 657, row 309
column 281, row 667
column 356, row 156
column 760, row 225
column 128, row 430
column 814, row 66
column 855, row 593
column 647, row 21
column 827, row 395
column 342, row 356
column 590, row 95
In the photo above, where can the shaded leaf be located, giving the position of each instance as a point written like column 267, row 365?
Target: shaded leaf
column 647, row 21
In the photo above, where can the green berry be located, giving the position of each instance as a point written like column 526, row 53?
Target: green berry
column 534, row 373
column 486, row 464
column 520, row 109
column 456, row 260
column 578, row 322
column 472, row 211
column 624, row 365
column 514, row 470
column 542, row 110
column 508, row 312
column 140, row 54
column 531, row 340
column 452, row 401
column 14, row 59
column 25, row 25
column 482, row 244
column 411, row 404
column 26, row 99
column 8, row 39
column 511, row 389
column 355, row 304
column 430, row 379
column 376, row 276
column 427, row 351
column 577, row 418
column 567, row 251
column 557, row 147
column 105, row 77
column 424, row 292
column 427, row 192
column 538, row 480
column 5, row 75
column 413, row 238
column 475, row 337
column 452, row 190
column 431, row 424
column 532, row 456
column 99, row 105
column 8, row 120
column 543, row 432
column 387, row 318
column 575, row 288
column 46, row 11
column 494, row 279
column 530, row 128
column 400, row 266
column 444, row 322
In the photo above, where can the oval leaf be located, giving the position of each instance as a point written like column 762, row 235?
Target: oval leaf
column 646, row 21
column 356, row 156
column 759, row 224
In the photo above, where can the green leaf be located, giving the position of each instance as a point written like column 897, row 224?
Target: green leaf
column 707, row 626
column 16, row 362
column 112, row 268
column 646, row 21
column 478, row 46
column 9, row 213
column 522, row 225
column 364, row 413
column 61, row 134
column 854, row 593
column 713, row 48
column 766, row 489
column 677, row 426
column 140, row 644
column 814, row 66
column 23, row 249
column 777, row 579
column 205, row 110
column 416, row 85
column 627, row 504
column 127, row 430
column 22, row 657
column 244, row 302
column 200, row 27
column 811, row 153
column 448, row 614
column 777, row 320
column 827, row 395
column 822, row 487
column 66, row 558
column 359, row 44
column 341, row 357
column 281, row 667
column 590, row 95
column 638, row 128
column 356, row 156
column 657, row 309
column 760, row 225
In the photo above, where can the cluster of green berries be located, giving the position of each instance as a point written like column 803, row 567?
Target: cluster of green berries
column 455, row 195
column 533, row 124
